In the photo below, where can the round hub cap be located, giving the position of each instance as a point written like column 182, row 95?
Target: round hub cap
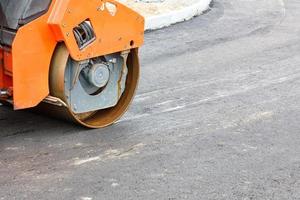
column 98, row 75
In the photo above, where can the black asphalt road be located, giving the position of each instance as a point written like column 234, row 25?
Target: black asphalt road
column 216, row 117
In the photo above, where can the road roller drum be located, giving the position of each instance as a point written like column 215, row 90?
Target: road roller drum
column 75, row 59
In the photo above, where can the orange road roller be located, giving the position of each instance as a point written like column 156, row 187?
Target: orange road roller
column 74, row 59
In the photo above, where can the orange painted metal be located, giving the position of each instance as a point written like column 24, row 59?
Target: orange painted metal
column 114, row 32
column 2, row 85
column 2, row 82
column 7, row 58
column 35, row 43
column 32, row 51
column 5, row 69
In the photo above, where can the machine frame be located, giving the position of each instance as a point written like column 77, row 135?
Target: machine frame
column 25, row 65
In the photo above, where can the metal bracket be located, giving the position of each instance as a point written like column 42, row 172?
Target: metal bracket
column 54, row 101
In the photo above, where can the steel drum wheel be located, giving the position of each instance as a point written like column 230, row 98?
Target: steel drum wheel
column 98, row 118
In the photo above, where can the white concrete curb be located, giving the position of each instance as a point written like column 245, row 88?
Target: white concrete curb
column 167, row 19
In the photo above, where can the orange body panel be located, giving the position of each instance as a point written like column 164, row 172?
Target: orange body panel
column 2, row 85
column 35, row 43
column 121, row 31
column 5, row 69
column 32, row 51
column 8, row 67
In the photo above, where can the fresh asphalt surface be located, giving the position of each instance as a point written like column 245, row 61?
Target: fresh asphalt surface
column 216, row 117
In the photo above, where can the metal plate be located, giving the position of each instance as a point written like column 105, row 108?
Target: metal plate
column 80, row 101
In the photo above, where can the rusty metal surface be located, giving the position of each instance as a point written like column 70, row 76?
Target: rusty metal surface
column 94, row 119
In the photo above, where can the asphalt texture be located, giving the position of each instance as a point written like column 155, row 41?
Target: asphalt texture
column 216, row 117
